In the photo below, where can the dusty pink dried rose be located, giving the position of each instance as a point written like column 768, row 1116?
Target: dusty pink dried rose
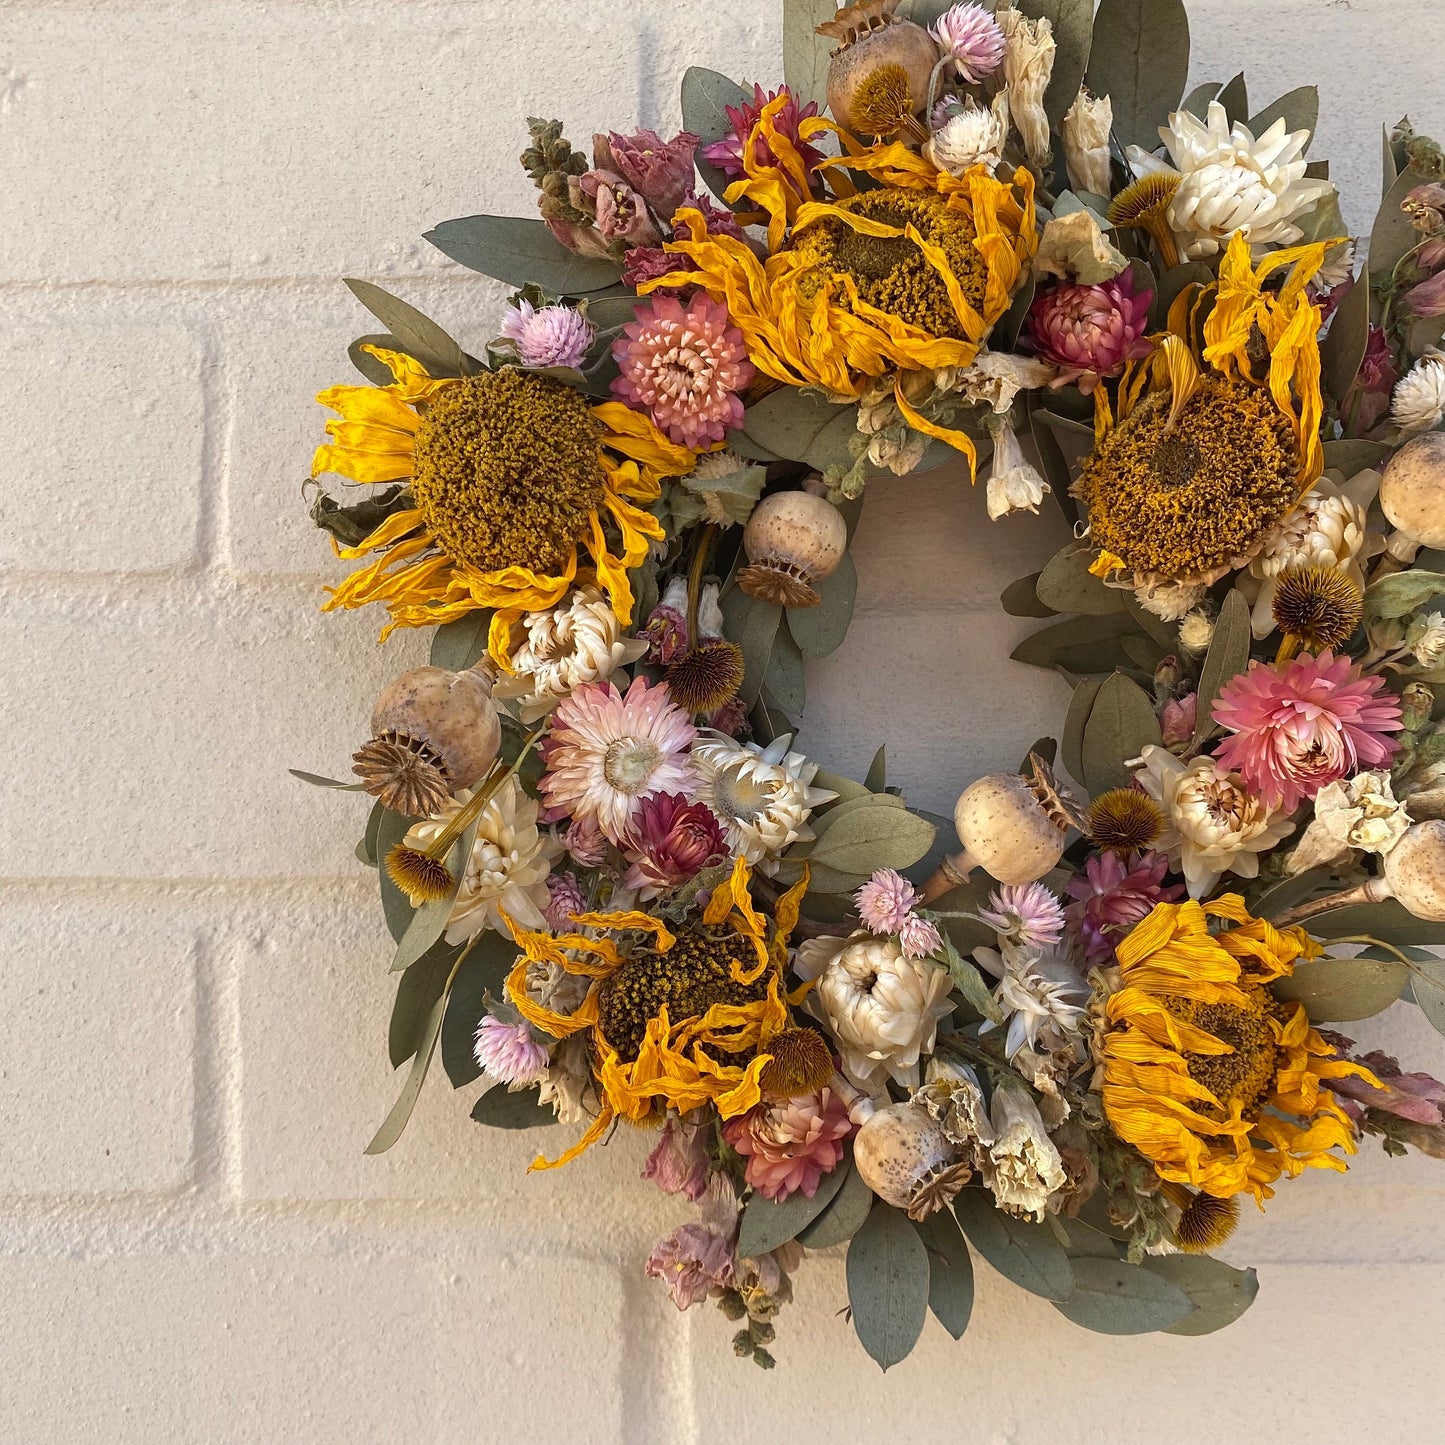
column 660, row 171
column 692, row 1261
column 679, row 1161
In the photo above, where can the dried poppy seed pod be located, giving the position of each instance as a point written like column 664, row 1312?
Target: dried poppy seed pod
column 793, row 540
column 434, row 732
column 1415, row 870
column 879, row 76
column 904, row 1157
column 1412, row 496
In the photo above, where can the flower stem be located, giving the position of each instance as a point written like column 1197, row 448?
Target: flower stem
column 472, row 808
column 694, row 582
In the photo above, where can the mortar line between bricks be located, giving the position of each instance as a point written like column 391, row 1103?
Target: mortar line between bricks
column 216, row 1072
column 212, row 509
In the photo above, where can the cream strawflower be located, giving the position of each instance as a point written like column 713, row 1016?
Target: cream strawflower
column 580, row 640
column 1212, row 824
column 1230, row 181
column 1419, row 402
column 881, row 1006
column 970, row 136
column 1326, row 529
column 1172, row 601
column 1196, row 631
column 508, row 868
column 761, row 795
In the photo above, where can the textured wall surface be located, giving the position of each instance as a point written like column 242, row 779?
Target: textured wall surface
column 194, row 989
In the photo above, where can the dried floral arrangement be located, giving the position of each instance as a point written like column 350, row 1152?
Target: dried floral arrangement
column 1076, row 1026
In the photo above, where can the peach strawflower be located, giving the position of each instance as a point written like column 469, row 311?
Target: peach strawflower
column 791, row 1145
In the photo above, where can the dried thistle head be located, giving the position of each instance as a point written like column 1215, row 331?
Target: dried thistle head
column 882, row 104
column 707, row 676
column 1205, row 1223
column 1145, row 201
column 1317, row 607
column 801, row 1063
column 1123, row 820
column 422, row 878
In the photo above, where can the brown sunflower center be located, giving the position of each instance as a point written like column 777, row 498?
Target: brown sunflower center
column 891, row 272
column 1181, row 502
column 1245, row 1075
column 687, row 980
column 508, row 472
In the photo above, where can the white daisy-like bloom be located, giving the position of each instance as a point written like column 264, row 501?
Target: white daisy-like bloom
column 1419, row 401
column 1326, row 529
column 1170, row 601
column 881, row 1007
column 762, row 795
column 1042, row 996
column 1339, row 266
column 579, row 640
column 971, row 136
column 1013, row 484
column 1230, row 181
column 1213, row 824
column 508, row 867
column 1196, row 631
column 607, row 751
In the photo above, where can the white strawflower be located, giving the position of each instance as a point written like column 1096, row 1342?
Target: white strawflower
column 579, row 640
column 1213, row 824
column 1013, row 484
column 1360, row 812
column 1171, row 601
column 1085, row 130
column 1042, row 997
column 881, row 1006
column 508, row 867
column 1419, row 400
column 1230, row 181
column 971, row 136
column 1023, row 1168
column 1196, row 631
column 1425, row 637
column 1326, row 529
column 762, row 795
column 1028, row 65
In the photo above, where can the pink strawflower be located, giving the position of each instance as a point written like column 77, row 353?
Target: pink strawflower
column 685, row 367
column 679, row 1162
column 1111, row 895
column 586, row 843
column 791, row 1145
column 972, row 36
column 692, row 1261
column 717, row 221
column 1176, row 723
column 727, row 154
column 566, row 898
column 919, row 938
column 1026, row 914
column 508, row 1053
column 1090, row 331
column 1302, row 726
column 885, row 901
column 609, row 751
column 660, row 171
column 548, row 336
column 669, row 841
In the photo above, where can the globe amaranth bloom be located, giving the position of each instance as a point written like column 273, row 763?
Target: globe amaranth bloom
column 1111, row 895
column 685, row 367
column 509, row 1054
column 548, row 335
column 886, row 901
column 972, row 37
column 1091, row 331
column 790, row 1145
column 1299, row 727
column 669, row 841
column 727, row 154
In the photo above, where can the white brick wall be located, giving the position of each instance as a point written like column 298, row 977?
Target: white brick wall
column 192, row 1246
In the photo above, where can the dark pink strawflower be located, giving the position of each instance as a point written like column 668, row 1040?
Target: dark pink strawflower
column 679, row 1161
column 565, row 899
column 669, row 841
column 1176, row 723
column 718, row 220
column 660, row 171
column 727, row 154
column 1300, row 727
column 791, row 1145
column 685, row 367
column 1111, row 895
column 1090, row 331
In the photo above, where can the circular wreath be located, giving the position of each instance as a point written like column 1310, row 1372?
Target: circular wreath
column 1079, row 1024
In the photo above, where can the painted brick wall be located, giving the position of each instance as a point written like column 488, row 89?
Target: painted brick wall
column 192, row 1247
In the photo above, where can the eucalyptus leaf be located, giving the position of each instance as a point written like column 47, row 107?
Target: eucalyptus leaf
column 753, row 625
column 1121, row 725
column 820, row 630
column 844, row 1216
column 1020, row 598
column 353, row 523
column 1343, row 349
column 417, row 992
column 705, row 98
column 768, row 1223
column 502, row 1109
column 1227, row 657
column 395, row 905
column 1428, row 987
column 1393, row 235
column 1067, row 585
column 458, row 645
column 317, row 781
column 803, row 426
column 366, row 849
column 396, row 1121
column 1299, row 109
column 1353, row 455
column 1027, row 1254
column 805, row 53
column 420, row 335
column 1081, row 704
column 1173, row 282
column 482, row 971
column 1340, row 990
column 1219, row 1292
column 1197, row 101
column 888, row 1284
column 950, row 1271
column 1073, row 22
column 874, row 837
column 1055, row 466
column 877, row 778
column 1235, row 99
column 784, row 683
column 518, row 251
column 1114, row 1297
column 1398, row 594
column 1325, row 222
column 1140, row 60
column 1079, row 645
column 1386, row 921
